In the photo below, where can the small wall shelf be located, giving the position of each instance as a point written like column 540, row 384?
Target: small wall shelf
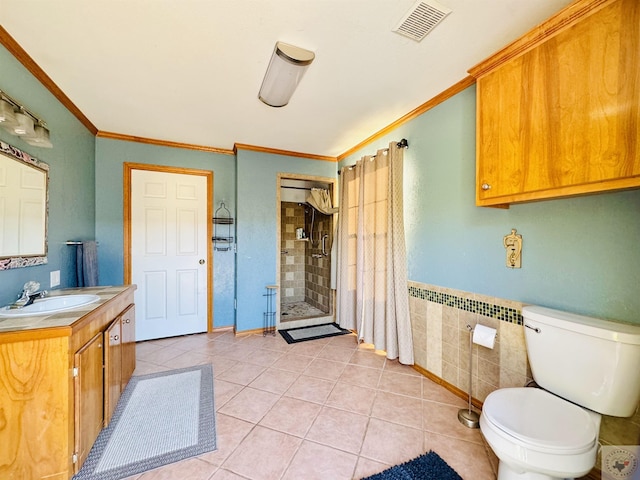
column 222, row 221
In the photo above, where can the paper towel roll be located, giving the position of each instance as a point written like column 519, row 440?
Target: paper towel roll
column 485, row 336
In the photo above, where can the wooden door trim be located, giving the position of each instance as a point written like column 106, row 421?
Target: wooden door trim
column 128, row 167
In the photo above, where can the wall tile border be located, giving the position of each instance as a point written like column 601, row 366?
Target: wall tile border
column 492, row 310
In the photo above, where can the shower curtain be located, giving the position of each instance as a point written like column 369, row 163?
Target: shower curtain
column 372, row 293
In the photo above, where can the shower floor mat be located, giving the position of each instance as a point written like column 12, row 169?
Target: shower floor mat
column 314, row 332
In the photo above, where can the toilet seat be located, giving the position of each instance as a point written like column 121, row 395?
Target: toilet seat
column 539, row 420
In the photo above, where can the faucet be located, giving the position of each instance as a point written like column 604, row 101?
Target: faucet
column 28, row 295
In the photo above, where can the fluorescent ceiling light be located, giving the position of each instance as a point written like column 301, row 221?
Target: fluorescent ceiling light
column 286, row 68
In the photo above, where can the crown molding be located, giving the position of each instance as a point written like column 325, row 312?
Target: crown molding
column 428, row 105
column 565, row 18
column 289, row 153
column 23, row 57
column 163, row 143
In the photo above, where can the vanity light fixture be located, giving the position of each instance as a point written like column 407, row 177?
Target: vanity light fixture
column 287, row 66
column 7, row 115
column 40, row 136
column 17, row 120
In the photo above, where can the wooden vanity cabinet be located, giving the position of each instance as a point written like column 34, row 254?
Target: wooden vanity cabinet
column 119, row 359
column 88, row 395
column 112, row 368
column 558, row 111
column 128, row 329
column 52, row 391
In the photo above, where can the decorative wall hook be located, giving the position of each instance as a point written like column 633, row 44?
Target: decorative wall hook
column 513, row 244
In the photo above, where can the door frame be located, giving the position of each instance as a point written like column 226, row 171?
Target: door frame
column 128, row 167
column 333, row 182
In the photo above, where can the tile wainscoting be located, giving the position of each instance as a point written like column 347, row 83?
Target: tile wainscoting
column 439, row 319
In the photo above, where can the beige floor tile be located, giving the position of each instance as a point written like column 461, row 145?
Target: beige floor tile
column 188, row 359
column 397, row 367
column 310, row 349
column 473, row 464
column 400, row 383
column 437, row 393
column 230, row 432
column 367, row 358
column 320, row 462
column 331, row 409
column 292, row 416
column 274, row 380
column 221, row 364
column 242, row 373
column 222, row 474
column 366, row 468
column 189, row 469
column 264, row 454
column 337, row 353
column 263, row 357
column 352, row 398
column 362, row 376
column 344, row 341
column 391, row 443
column 339, row 429
column 327, row 369
column 224, row 391
column 145, row 368
column 249, row 405
column 293, row 362
column 162, row 355
column 236, row 351
column 443, row 419
column 398, row 409
column 310, row 388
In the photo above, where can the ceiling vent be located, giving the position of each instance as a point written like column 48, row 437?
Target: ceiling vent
column 421, row 19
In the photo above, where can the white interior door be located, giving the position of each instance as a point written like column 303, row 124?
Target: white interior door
column 169, row 242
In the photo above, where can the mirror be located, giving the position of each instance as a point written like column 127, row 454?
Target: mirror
column 24, row 182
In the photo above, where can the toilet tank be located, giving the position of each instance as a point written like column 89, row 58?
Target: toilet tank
column 592, row 362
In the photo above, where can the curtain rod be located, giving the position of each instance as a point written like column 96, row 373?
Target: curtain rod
column 401, row 144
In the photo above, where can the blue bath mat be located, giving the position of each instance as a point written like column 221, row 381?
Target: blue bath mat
column 428, row 466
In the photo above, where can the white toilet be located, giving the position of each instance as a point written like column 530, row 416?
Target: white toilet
column 585, row 367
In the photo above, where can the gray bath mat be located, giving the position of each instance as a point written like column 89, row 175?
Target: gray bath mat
column 303, row 334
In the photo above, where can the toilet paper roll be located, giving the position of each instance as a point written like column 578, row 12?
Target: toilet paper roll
column 485, row 336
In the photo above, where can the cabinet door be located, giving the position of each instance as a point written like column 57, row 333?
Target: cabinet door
column 89, row 399
column 112, row 368
column 562, row 119
column 128, row 318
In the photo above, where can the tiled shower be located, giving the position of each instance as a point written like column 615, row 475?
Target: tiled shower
column 305, row 271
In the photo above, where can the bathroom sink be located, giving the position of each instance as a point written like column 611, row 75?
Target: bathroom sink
column 46, row 306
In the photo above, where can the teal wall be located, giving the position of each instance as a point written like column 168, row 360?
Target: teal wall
column 110, row 157
column 71, row 178
column 257, row 228
column 579, row 254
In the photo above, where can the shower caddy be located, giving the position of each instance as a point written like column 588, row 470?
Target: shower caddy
column 222, row 238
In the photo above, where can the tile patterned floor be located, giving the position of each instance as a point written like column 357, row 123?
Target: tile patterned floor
column 297, row 310
column 325, row 409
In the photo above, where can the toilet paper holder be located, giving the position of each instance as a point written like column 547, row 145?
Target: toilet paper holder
column 466, row 416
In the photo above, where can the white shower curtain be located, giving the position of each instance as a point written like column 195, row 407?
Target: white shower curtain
column 372, row 294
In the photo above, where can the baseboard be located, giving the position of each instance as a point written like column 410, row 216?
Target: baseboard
column 452, row 388
column 253, row 331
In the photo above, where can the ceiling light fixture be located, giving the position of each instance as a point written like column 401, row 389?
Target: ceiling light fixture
column 17, row 120
column 287, row 66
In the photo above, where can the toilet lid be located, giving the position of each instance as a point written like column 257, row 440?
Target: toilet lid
column 540, row 419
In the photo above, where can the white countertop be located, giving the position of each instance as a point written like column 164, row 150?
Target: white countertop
column 64, row 318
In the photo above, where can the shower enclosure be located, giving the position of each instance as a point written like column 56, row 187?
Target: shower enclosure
column 306, row 237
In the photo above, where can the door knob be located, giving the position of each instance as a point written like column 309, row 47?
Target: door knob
column 486, row 186
column 201, row 262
